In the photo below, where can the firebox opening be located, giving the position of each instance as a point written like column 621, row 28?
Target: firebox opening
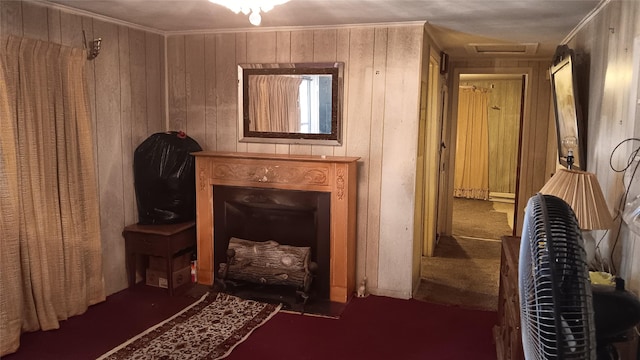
column 289, row 217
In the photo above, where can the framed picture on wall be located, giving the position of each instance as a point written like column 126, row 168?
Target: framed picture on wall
column 570, row 127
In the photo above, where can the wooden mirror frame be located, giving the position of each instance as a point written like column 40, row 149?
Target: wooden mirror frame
column 567, row 107
column 333, row 69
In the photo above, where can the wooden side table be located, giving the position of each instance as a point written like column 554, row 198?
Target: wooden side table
column 157, row 240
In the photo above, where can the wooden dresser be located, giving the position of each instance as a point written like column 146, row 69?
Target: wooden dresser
column 507, row 333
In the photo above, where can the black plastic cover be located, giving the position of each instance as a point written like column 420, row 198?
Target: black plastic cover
column 164, row 175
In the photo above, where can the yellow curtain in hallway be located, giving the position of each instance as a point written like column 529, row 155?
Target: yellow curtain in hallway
column 471, row 178
column 51, row 258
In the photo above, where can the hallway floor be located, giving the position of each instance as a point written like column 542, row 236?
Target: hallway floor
column 481, row 219
column 463, row 272
column 465, row 268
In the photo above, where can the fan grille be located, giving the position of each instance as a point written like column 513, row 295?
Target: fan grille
column 555, row 293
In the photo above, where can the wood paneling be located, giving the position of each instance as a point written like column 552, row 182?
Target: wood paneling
column 71, row 30
column 210, row 113
column 226, row 78
column 35, row 21
column 195, row 89
column 374, row 158
column 54, row 29
column 343, row 39
column 608, row 44
column 155, row 79
column 177, row 78
column 110, row 172
column 399, row 151
column 127, row 113
column 380, row 115
column 10, row 20
column 136, row 74
column 360, row 86
column 126, row 87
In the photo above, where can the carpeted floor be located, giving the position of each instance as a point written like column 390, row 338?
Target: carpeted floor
column 478, row 219
column 463, row 272
column 374, row 327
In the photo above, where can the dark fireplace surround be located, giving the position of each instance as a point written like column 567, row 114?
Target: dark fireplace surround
column 282, row 198
column 289, row 217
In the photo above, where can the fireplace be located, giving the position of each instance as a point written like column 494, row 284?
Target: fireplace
column 293, row 199
column 289, row 217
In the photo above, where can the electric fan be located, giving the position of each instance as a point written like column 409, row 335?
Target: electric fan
column 556, row 307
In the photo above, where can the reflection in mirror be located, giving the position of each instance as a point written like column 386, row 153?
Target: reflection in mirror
column 290, row 103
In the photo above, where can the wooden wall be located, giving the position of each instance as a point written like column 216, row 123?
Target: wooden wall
column 534, row 142
column 610, row 44
column 380, row 114
column 381, row 97
column 126, row 83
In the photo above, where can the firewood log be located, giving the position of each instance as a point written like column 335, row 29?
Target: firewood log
column 267, row 262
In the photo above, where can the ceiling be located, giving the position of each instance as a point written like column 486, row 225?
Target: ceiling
column 542, row 24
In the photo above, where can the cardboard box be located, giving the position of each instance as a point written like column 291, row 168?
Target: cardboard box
column 158, row 278
column 179, row 262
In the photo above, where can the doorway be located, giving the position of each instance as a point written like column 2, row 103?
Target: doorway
column 464, row 270
column 486, row 155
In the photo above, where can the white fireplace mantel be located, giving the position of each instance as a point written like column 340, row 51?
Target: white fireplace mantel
column 333, row 174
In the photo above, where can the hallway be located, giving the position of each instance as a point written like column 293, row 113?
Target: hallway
column 464, row 270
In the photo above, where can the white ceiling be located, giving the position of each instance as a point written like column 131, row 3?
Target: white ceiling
column 456, row 23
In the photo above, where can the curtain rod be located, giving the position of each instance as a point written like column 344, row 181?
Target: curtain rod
column 473, row 87
column 93, row 50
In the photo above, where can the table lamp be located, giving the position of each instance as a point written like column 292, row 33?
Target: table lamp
column 582, row 192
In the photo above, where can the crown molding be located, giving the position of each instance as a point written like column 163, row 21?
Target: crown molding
column 95, row 16
column 587, row 19
column 293, row 28
column 428, row 28
column 216, row 31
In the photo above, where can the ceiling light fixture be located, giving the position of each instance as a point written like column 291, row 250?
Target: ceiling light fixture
column 252, row 7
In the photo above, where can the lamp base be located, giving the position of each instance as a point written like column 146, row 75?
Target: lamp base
column 589, row 247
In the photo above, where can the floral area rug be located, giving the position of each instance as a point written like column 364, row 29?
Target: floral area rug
column 208, row 329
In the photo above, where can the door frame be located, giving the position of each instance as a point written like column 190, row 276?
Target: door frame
column 427, row 173
column 446, row 203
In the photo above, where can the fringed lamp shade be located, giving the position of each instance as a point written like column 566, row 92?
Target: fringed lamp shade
column 582, row 192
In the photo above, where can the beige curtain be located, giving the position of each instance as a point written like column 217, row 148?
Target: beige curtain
column 51, row 262
column 472, row 145
column 273, row 103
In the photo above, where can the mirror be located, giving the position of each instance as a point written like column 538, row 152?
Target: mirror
column 570, row 127
column 298, row 103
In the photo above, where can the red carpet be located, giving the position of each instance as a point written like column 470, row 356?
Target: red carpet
column 104, row 326
column 370, row 328
column 376, row 328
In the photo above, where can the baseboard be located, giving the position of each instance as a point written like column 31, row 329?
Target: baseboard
column 502, row 197
column 391, row 293
column 479, row 239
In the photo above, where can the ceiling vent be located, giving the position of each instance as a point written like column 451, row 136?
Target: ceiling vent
column 502, row 49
